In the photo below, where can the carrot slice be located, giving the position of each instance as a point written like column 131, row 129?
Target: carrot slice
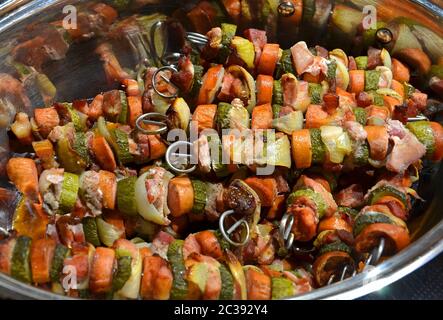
column 258, row 285
column 398, row 87
column 135, row 109
column 45, row 152
column 204, row 115
column 268, row 59
column 132, row 88
column 356, row 81
column 316, row 117
column 379, row 112
column 108, row 186
column 302, row 148
column 102, row 267
column 400, row 72
column 42, row 252
column 265, row 86
column 211, row 82
column 103, row 153
column 265, row 187
column 23, row 173
column 157, row 148
column 209, row 244
column 180, row 196
column 311, row 78
column 378, row 139
column 334, row 222
column 46, row 120
column 437, row 130
column 96, row 108
column 391, row 103
column 262, row 117
column 397, row 238
column 276, row 211
column 157, row 279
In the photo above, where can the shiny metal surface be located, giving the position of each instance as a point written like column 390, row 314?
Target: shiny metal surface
column 427, row 231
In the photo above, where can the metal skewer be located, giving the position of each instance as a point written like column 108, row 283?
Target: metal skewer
column 234, row 227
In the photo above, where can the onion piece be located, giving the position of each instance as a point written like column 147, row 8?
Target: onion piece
column 107, row 232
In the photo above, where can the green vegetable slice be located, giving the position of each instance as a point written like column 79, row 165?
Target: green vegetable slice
column 362, row 62
column 123, row 272
column 219, row 168
column 197, row 82
column 360, row 115
column 276, row 111
column 349, row 211
column 222, row 117
column 81, row 147
column 316, row 93
column 224, row 244
column 372, row 77
column 314, row 196
column 69, row 159
column 361, row 154
column 179, row 289
column 123, row 116
column 126, row 196
column 308, row 10
column 60, row 253
column 77, row 118
column 227, row 290
column 332, row 70
column 281, row 288
column 286, row 62
column 369, row 218
column 335, row 246
column 424, row 133
column 277, row 97
column 91, row 232
column 200, row 195
column 120, row 144
column 69, row 193
column 318, row 147
column 20, row 262
column 387, row 190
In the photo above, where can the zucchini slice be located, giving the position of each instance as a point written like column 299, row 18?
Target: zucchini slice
column 126, row 196
column 91, row 231
column 200, row 195
column 369, row 218
column 387, row 190
column 423, row 131
column 277, row 96
column 20, row 262
column 227, row 290
column 121, row 276
column 69, row 193
column 372, row 77
column 316, row 197
column 179, row 289
column 318, row 147
column 281, row 288
column 334, row 246
column 60, row 253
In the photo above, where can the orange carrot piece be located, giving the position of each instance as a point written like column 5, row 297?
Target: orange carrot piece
column 180, row 196
column 398, row 87
column 268, row 59
column 400, row 72
column 210, row 81
column 258, row 285
column 100, row 280
column 316, row 117
column 103, row 153
column 265, row 87
column 262, row 117
column 42, row 252
column 276, row 211
column 96, row 108
column 357, row 81
column 437, row 130
column 131, row 86
column 209, row 244
column 204, row 115
column 157, row 147
column 302, row 148
column 23, row 174
column 46, row 120
column 108, row 186
column 378, row 139
column 265, row 187
column 135, row 109
column 45, row 152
